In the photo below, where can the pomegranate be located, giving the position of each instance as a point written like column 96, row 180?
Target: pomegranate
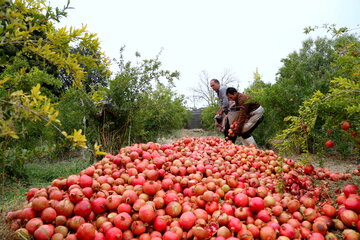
column 173, row 209
column 147, row 213
column 350, row 189
column 48, row 215
column 39, row 203
column 113, row 234
column 44, row 232
column 256, row 204
column 267, row 233
column 241, row 200
column 98, row 205
column 86, row 231
column 122, row 221
column 193, row 188
column 83, row 208
column 85, row 181
column 160, row 223
column 187, row 220
column 350, row 234
column 65, row 208
column 33, row 224
column 353, row 203
column 349, row 218
column 170, row 235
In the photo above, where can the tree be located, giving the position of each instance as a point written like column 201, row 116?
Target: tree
column 30, row 43
column 134, row 109
column 320, row 116
column 257, row 90
column 96, row 75
column 33, row 54
column 303, row 72
column 258, row 86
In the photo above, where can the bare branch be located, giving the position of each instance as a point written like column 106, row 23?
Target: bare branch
column 204, row 92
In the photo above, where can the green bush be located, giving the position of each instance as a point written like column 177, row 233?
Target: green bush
column 207, row 117
column 162, row 112
column 141, row 105
column 79, row 111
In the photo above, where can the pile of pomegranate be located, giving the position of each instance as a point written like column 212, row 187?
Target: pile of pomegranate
column 194, row 188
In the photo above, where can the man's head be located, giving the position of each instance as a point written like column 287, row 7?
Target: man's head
column 231, row 93
column 215, row 84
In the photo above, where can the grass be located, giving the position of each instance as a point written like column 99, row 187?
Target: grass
column 40, row 174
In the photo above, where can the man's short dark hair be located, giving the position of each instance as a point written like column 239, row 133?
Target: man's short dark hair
column 230, row 90
column 215, row 81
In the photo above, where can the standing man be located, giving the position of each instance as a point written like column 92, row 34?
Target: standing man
column 224, row 108
column 250, row 115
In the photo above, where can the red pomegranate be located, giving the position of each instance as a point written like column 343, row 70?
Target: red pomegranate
column 122, row 221
column 86, row 231
column 350, row 189
column 256, row 204
column 267, row 233
column 44, row 232
column 187, row 220
column 98, row 205
column 114, row 233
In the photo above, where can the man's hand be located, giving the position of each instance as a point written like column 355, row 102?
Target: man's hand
column 231, row 133
column 234, row 128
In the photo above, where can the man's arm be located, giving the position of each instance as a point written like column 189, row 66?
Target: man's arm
column 241, row 119
column 224, row 100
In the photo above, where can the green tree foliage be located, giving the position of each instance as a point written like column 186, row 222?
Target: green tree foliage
column 30, row 43
column 320, row 116
column 44, row 79
column 257, row 89
column 33, row 54
column 138, row 105
column 97, row 75
column 304, row 72
column 162, row 112
column 207, row 116
column 79, row 110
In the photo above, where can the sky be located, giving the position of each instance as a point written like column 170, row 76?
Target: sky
column 235, row 36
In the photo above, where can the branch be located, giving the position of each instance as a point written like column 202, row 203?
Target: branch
column 33, row 112
column 3, row 43
column 339, row 93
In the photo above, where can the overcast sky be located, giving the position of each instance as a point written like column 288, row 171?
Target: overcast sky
column 208, row 35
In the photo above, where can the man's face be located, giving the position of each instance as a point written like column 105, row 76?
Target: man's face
column 214, row 86
column 231, row 96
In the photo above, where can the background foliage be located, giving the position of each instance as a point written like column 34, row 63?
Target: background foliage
column 316, row 89
column 60, row 79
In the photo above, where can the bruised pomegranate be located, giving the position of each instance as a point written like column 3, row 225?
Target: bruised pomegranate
column 44, row 232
